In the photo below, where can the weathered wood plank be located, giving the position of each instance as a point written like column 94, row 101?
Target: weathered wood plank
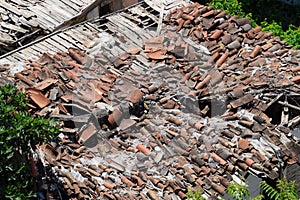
column 72, row 4
column 52, row 47
column 6, row 38
column 45, row 46
column 15, row 10
column 68, row 36
column 77, row 2
column 59, row 40
column 29, row 52
column 79, row 36
column 50, row 12
column 133, row 36
column 72, row 7
column 92, row 27
column 13, row 27
column 59, row 9
column 37, row 48
column 44, row 18
column 57, row 45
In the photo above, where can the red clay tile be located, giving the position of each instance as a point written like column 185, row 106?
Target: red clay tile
column 209, row 13
column 126, row 123
column 37, row 97
column 187, row 17
column 201, row 84
column 214, row 57
column 44, row 84
column 115, row 117
column 244, row 144
column 218, row 158
column 24, row 79
column 180, row 22
column 256, row 29
column 255, row 51
column 241, row 21
column 219, row 188
column 242, row 165
column 221, row 15
column 227, row 133
column 152, row 195
column 216, row 34
column 127, row 181
column 157, row 55
column 267, row 46
column 296, row 79
column 76, row 56
column 233, row 71
column 174, row 120
column 246, row 123
column 108, row 185
column 170, row 104
column 296, row 69
column 205, row 170
column 87, row 133
column 222, row 59
column 139, row 181
column 234, row 45
column 46, row 58
column 143, row 149
column 249, row 161
column 224, row 25
column 135, row 95
column 242, row 101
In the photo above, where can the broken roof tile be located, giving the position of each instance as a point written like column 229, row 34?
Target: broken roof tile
column 164, row 132
column 87, row 133
column 242, row 101
column 38, row 97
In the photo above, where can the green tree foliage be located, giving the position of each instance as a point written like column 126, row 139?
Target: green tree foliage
column 254, row 12
column 194, row 195
column 284, row 190
column 292, row 36
column 240, row 192
column 233, row 7
column 19, row 133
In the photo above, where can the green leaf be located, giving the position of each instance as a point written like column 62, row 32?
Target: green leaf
column 18, row 128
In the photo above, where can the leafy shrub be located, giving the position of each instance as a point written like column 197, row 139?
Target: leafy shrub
column 19, row 133
column 240, row 192
column 273, row 27
column 292, row 36
column 284, row 190
column 257, row 11
column 233, row 7
column 194, row 195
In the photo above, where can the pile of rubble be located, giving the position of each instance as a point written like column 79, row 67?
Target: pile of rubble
column 194, row 107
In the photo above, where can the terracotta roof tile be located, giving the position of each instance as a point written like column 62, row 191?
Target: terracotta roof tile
column 151, row 131
column 38, row 97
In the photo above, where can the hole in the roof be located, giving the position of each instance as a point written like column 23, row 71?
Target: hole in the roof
column 285, row 111
column 105, row 9
column 212, row 106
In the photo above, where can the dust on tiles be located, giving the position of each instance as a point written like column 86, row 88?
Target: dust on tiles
column 190, row 107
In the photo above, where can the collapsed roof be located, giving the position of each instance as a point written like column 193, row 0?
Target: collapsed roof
column 157, row 104
column 24, row 21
